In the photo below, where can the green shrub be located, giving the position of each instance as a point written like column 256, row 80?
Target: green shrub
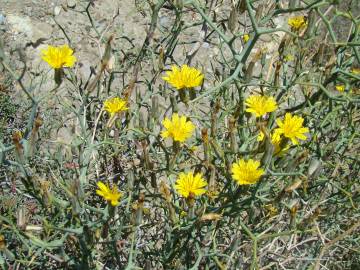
column 236, row 148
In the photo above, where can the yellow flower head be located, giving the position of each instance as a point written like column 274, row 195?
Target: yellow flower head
column 340, row 87
column 246, row 37
column 292, row 128
column 297, row 22
column 246, row 172
column 59, row 57
column 189, row 184
column 178, row 128
column 184, row 77
column 111, row 195
column 260, row 105
column 115, row 105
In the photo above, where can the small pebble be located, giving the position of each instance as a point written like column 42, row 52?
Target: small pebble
column 205, row 45
column 2, row 19
column 71, row 3
column 164, row 21
column 57, row 10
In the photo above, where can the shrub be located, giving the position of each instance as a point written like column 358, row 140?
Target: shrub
column 236, row 148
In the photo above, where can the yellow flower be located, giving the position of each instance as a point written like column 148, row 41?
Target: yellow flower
column 115, row 105
column 178, row 128
column 184, row 77
column 292, row 128
column 246, row 172
column 297, row 22
column 59, row 57
column 340, row 87
column 111, row 195
column 246, row 37
column 260, row 105
column 189, row 184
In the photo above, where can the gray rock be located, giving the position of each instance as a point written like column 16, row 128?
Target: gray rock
column 41, row 30
column 30, row 29
column 20, row 24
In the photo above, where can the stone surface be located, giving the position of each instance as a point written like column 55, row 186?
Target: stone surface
column 28, row 30
column 20, row 24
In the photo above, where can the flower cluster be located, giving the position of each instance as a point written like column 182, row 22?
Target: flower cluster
column 245, row 172
column 291, row 127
